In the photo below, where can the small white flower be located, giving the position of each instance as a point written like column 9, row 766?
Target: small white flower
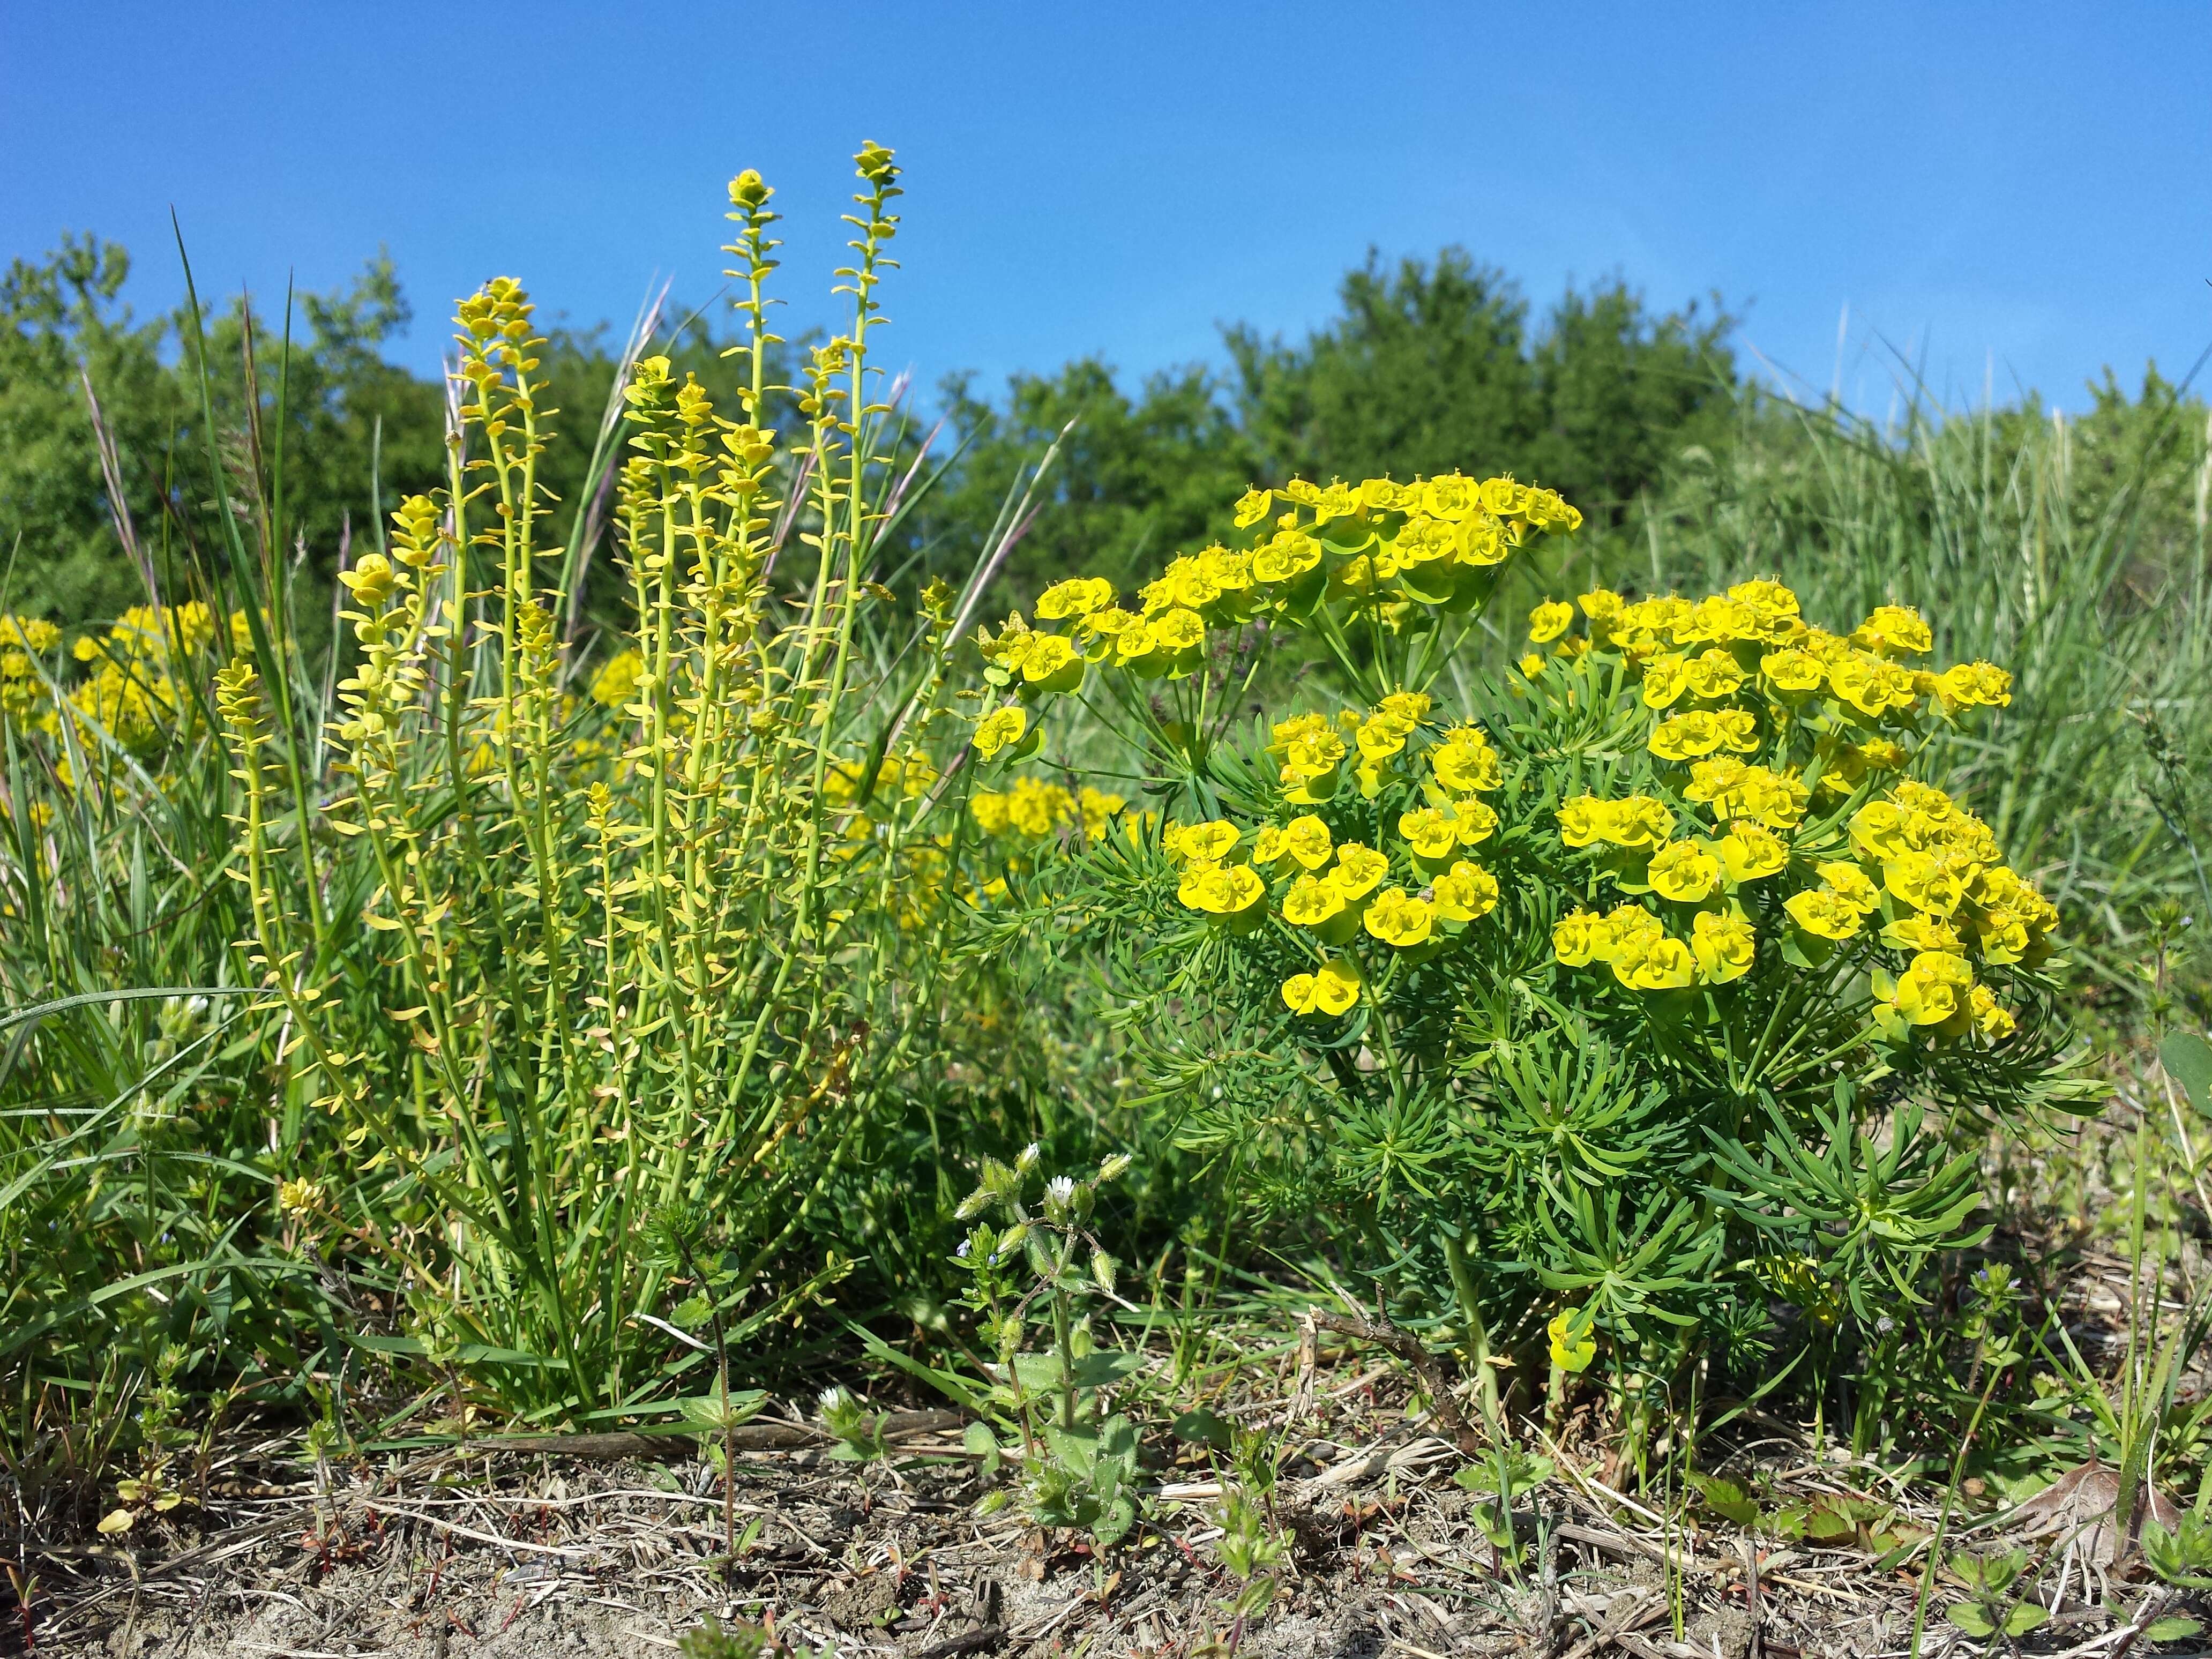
column 1059, row 1189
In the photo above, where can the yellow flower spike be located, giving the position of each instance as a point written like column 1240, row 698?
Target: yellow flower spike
column 1399, row 919
column 1359, row 870
column 1576, row 937
column 1686, row 737
column 1466, row 892
column 1432, row 836
column 1684, row 872
column 1574, row 1343
column 1724, row 946
column 1307, row 840
column 1824, row 914
column 1973, row 685
column 1751, row 851
column 999, row 728
column 1549, row 620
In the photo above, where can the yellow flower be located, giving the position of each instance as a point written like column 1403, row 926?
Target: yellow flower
column 1408, row 708
column 1285, row 556
column 1431, row 835
column 2001, row 936
column 1895, row 630
column 1638, row 821
column 1603, row 606
column 1850, row 884
column 1973, row 685
column 1870, row 685
column 1573, row 1343
column 1777, row 799
column 371, row 581
column 1220, row 889
column 1792, row 669
column 1723, row 945
column 1267, row 845
column 1307, row 840
column 1464, row 893
column 1465, row 763
column 1251, row 506
column 1934, row 988
column 1713, row 675
column 1332, row 990
column 1666, row 677
column 1576, row 936
column 990, row 811
column 1684, row 872
column 1549, row 620
column 1398, row 919
column 1079, row 595
column 1584, row 820
column 1212, row 842
column 1750, row 852
column 1924, row 882
column 1380, row 737
column 1663, row 964
column 1914, row 931
column 999, row 728
column 617, row 679
column 1824, row 914
column 1532, row 665
column 1312, row 902
column 1686, row 737
column 1359, row 869
column 1994, row 1022
column 1050, row 662
column 1099, row 809
column 1473, row 822
column 1878, row 831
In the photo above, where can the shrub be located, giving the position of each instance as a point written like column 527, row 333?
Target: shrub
column 1606, row 1012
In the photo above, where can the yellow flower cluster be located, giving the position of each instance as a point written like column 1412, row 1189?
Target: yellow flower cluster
column 1723, row 681
column 1378, row 545
column 1727, row 671
column 23, row 690
column 1330, row 893
column 1032, row 810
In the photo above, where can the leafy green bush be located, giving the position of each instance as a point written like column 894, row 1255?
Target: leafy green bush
column 1632, row 999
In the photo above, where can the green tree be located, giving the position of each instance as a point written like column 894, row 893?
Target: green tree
column 1433, row 367
column 1135, row 479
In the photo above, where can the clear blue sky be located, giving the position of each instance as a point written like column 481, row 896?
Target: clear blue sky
column 2024, row 185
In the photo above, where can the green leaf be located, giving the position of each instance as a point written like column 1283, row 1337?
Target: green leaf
column 2172, row 1628
column 1105, row 1367
column 1968, row 1616
column 984, row 1445
column 1204, row 1427
column 2024, row 1618
column 2188, row 1061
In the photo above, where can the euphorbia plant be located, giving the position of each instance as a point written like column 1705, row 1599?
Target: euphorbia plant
column 1604, row 1006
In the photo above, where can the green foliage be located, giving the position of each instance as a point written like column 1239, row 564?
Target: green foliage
column 1434, row 367
column 1996, row 1605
